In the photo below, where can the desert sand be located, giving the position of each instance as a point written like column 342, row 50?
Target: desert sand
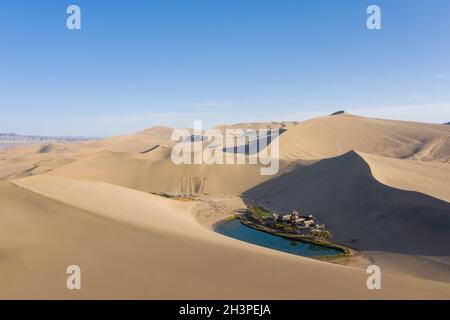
column 381, row 186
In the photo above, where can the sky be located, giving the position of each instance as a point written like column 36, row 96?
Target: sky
column 135, row 64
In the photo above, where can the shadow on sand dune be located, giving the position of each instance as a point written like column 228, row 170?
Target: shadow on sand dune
column 360, row 211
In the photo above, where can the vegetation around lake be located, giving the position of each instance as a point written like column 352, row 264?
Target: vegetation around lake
column 294, row 226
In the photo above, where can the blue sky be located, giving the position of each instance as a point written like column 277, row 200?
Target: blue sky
column 135, row 64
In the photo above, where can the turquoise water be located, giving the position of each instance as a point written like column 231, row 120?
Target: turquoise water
column 235, row 229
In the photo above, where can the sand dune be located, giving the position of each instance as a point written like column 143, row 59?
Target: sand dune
column 23, row 166
column 258, row 125
column 334, row 135
column 343, row 193
column 162, row 251
column 90, row 204
column 162, row 176
column 431, row 178
column 132, row 143
column 439, row 150
column 96, row 197
column 41, row 158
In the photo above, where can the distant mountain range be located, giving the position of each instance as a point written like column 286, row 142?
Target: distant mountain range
column 12, row 140
column 30, row 138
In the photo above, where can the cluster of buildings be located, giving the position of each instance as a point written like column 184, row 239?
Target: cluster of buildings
column 294, row 219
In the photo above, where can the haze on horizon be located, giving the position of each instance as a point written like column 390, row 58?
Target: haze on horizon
column 135, row 66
